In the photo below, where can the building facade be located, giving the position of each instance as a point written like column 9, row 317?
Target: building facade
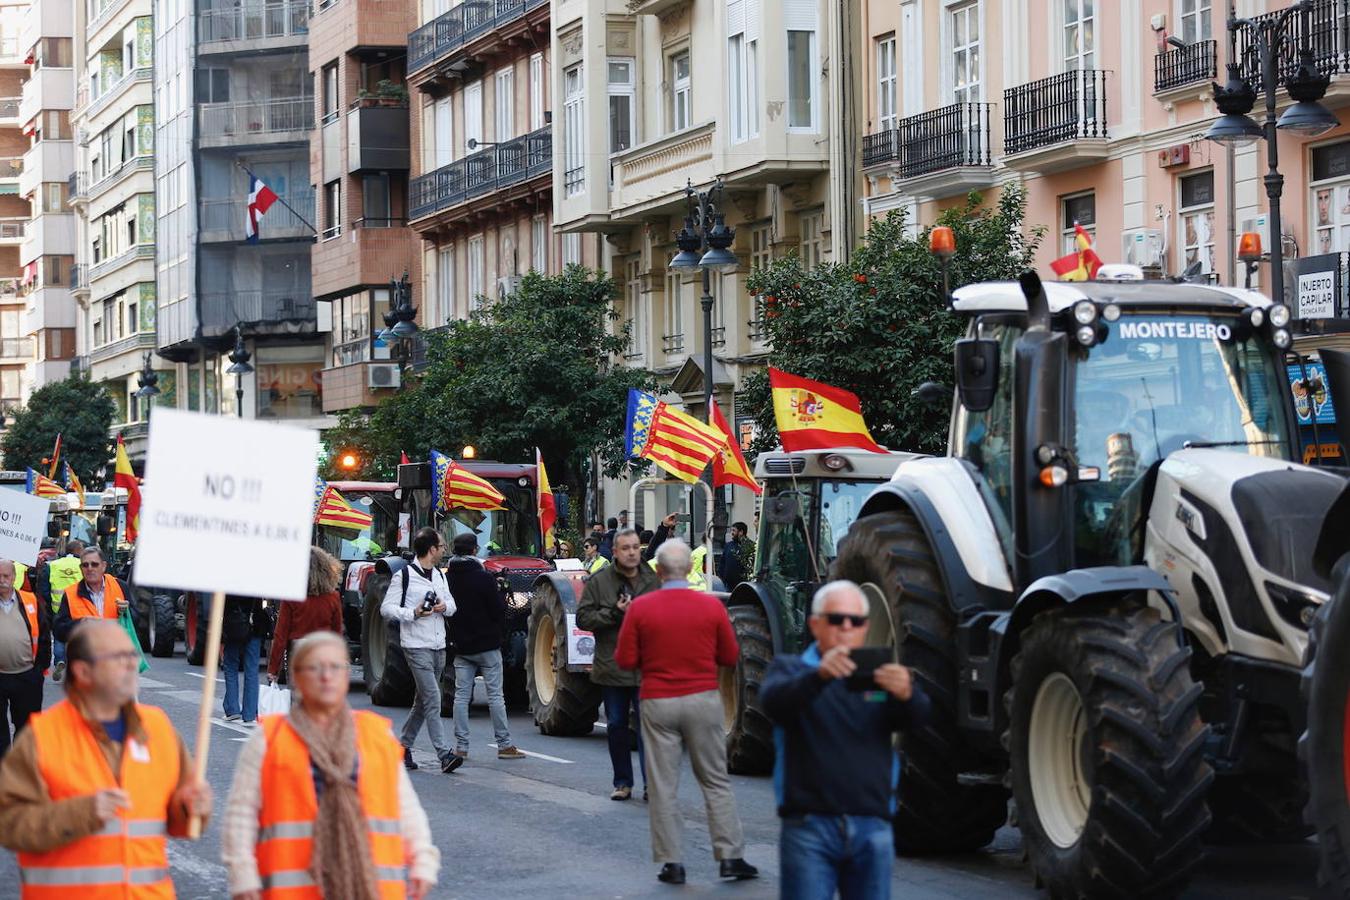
column 20, row 267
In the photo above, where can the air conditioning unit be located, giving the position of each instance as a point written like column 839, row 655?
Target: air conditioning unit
column 1142, row 247
column 383, row 375
column 507, row 285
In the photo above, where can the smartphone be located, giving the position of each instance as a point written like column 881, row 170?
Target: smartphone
column 868, row 660
column 683, row 517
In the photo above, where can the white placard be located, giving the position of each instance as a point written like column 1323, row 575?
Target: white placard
column 23, row 525
column 1317, row 295
column 228, row 505
column 570, row 565
column 580, row 644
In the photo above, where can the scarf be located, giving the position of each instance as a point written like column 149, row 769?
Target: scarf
column 341, row 864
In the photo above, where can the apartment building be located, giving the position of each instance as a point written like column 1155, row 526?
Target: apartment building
column 48, row 319
column 1102, row 118
column 360, row 160
column 235, row 101
column 16, row 348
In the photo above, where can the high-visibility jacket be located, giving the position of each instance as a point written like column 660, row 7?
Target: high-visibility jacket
column 61, row 574
column 82, row 607
column 597, row 564
column 127, row 859
column 290, row 806
column 29, row 603
column 696, row 580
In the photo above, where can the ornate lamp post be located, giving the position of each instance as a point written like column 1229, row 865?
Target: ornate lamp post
column 147, row 385
column 239, row 367
column 399, row 324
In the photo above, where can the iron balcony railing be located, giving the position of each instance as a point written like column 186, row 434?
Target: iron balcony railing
column 9, row 107
column 257, row 117
column 12, row 228
column 719, row 337
column 379, row 222
column 1180, row 66
column 1328, row 38
column 16, row 348
column 78, row 279
column 934, row 141
column 78, row 185
column 222, row 310
column 138, row 251
column 1064, row 107
column 462, row 24
column 228, row 215
column 254, row 21
column 672, row 343
column 491, row 169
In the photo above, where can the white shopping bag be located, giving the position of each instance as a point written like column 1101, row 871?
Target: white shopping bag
column 273, row 700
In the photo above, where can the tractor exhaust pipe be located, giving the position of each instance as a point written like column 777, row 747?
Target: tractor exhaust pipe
column 1337, row 364
column 1038, row 307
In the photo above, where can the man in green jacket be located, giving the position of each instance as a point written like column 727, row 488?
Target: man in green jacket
column 604, row 601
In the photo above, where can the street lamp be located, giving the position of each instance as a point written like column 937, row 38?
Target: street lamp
column 239, row 367
column 148, row 382
column 399, row 324
column 705, row 244
column 1307, row 117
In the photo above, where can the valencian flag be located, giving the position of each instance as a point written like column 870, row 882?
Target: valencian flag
column 455, row 487
column 548, row 506
column 675, row 441
column 813, row 416
column 73, row 484
column 124, row 477
column 1082, row 264
column 54, row 462
column 335, row 510
column 320, row 488
column 729, row 465
column 40, row 485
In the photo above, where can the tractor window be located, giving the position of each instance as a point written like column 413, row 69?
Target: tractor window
column 839, row 505
column 514, row 530
column 784, row 551
column 985, row 438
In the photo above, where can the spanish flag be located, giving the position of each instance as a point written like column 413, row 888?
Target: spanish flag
column 547, row 505
column 40, row 485
column 73, row 484
column 124, row 477
column 813, row 416
column 675, row 441
column 729, row 465
column 1083, row 263
column 336, row 511
column 455, row 487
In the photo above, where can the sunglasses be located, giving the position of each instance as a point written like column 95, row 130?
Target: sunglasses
column 838, row 619
column 90, row 565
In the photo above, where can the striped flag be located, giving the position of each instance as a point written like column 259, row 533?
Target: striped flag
column 675, row 441
column 74, row 484
column 260, row 200
column 455, row 487
column 40, row 485
column 729, row 467
column 55, row 459
column 812, row 415
column 334, row 510
column 320, row 488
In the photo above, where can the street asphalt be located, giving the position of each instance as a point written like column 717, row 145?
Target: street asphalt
column 544, row 826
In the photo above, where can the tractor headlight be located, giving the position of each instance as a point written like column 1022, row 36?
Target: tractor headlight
column 1086, row 335
column 1281, row 338
column 1278, row 314
column 519, row 600
column 1085, row 312
column 1256, row 316
column 1110, row 312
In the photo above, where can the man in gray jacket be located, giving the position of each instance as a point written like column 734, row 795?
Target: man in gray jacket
column 603, row 604
column 419, row 599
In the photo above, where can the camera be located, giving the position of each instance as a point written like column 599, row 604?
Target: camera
column 429, row 601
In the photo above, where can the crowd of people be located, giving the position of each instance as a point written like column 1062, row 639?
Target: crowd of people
column 321, row 801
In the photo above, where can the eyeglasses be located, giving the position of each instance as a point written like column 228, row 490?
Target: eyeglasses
column 322, row 669
column 122, row 656
column 90, row 565
column 838, row 619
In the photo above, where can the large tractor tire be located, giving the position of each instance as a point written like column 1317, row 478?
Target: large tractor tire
column 936, row 813
column 749, row 732
column 565, row 703
column 1264, row 807
column 1326, row 688
column 1107, row 754
column 389, row 682
column 161, row 625
column 194, row 629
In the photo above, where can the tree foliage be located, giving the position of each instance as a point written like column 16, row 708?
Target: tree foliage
column 76, row 408
column 879, row 324
column 533, row 369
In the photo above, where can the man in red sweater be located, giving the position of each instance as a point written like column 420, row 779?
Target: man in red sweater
column 677, row 637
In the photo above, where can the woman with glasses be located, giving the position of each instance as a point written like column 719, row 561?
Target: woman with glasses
column 320, row 799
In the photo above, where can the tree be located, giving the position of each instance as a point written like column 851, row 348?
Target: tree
column 534, row 369
column 879, row 324
column 76, row 408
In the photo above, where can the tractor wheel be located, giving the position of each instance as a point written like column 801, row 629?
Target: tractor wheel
column 194, row 630
column 162, row 625
column 1260, row 808
column 749, row 732
column 1326, row 688
column 1106, row 748
column 388, row 680
column 564, row 702
column 936, row 813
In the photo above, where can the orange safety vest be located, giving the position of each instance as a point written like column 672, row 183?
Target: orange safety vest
column 81, row 607
column 29, row 602
column 290, row 806
column 127, row 859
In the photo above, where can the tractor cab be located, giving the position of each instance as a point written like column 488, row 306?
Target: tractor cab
column 378, row 500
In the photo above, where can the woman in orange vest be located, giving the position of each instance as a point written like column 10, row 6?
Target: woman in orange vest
column 321, row 806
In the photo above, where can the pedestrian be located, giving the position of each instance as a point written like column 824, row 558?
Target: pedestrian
column 566, row 550
column 79, row 829
column 591, row 558
column 732, row 569
column 320, row 611
column 604, row 602
column 645, row 535
column 96, row 595
column 476, row 631
column 61, row 573
column 419, row 600
column 607, row 539
column 25, row 653
column 243, row 625
column 623, row 519
column 835, row 770
column 676, row 638
column 354, row 828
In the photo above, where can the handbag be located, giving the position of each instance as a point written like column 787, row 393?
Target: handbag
column 124, row 619
column 273, row 700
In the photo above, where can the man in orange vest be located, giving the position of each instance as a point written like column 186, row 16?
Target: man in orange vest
column 25, row 653
column 93, row 787
column 96, row 595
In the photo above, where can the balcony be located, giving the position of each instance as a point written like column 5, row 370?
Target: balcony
column 9, row 109
column 366, row 24
column 14, row 350
column 459, row 33
column 104, row 15
column 672, row 343
column 255, row 122
column 940, row 153
column 372, row 251
column 1192, row 67
column 12, row 230
column 377, row 138
column 79, row 280
column 10, row 167
column 136, row 343
column 290, row 312
column 47, row 160
column 651, row 174
column 117, row 89
column 510, row 164
column 1329, row 38
column 253, row 27
column 46, row 89
column 223, row 219
column 1056, row 123
column 78, row 186
column 125, row 258
column 120, row 171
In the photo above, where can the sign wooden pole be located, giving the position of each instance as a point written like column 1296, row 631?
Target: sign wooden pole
column 210, row 661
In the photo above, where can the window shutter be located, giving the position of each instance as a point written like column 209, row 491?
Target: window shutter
column 735, row 17
column 799, row 15
column 752, row 20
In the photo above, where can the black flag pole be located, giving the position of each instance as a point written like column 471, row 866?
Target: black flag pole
column 280, row 200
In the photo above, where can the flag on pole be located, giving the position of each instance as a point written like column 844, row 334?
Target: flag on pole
column 675, row 441
column 729, row 465
column 1082, row 264
column 124, row 477
column 320, row 488
column 335, row 510
column 812, row 415
column 547, row 505
column 73, row 484
column 260, row 200
column 55, row 461
column 455, row 487
column 403, row 458
column 40, row 485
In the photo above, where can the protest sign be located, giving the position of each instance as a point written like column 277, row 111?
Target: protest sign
column 23, row 525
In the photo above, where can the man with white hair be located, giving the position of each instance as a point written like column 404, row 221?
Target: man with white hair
column 677, row 637
column 837, row 770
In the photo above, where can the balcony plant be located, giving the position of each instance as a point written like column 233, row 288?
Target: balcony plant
column 386, row 93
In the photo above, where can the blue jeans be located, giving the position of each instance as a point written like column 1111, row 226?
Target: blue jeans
column 467, row 667
column 618, row 702
column 241, row 655
column 58, row 651
column 821, row 854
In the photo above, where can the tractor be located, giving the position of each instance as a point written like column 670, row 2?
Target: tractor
column 1106, row 585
